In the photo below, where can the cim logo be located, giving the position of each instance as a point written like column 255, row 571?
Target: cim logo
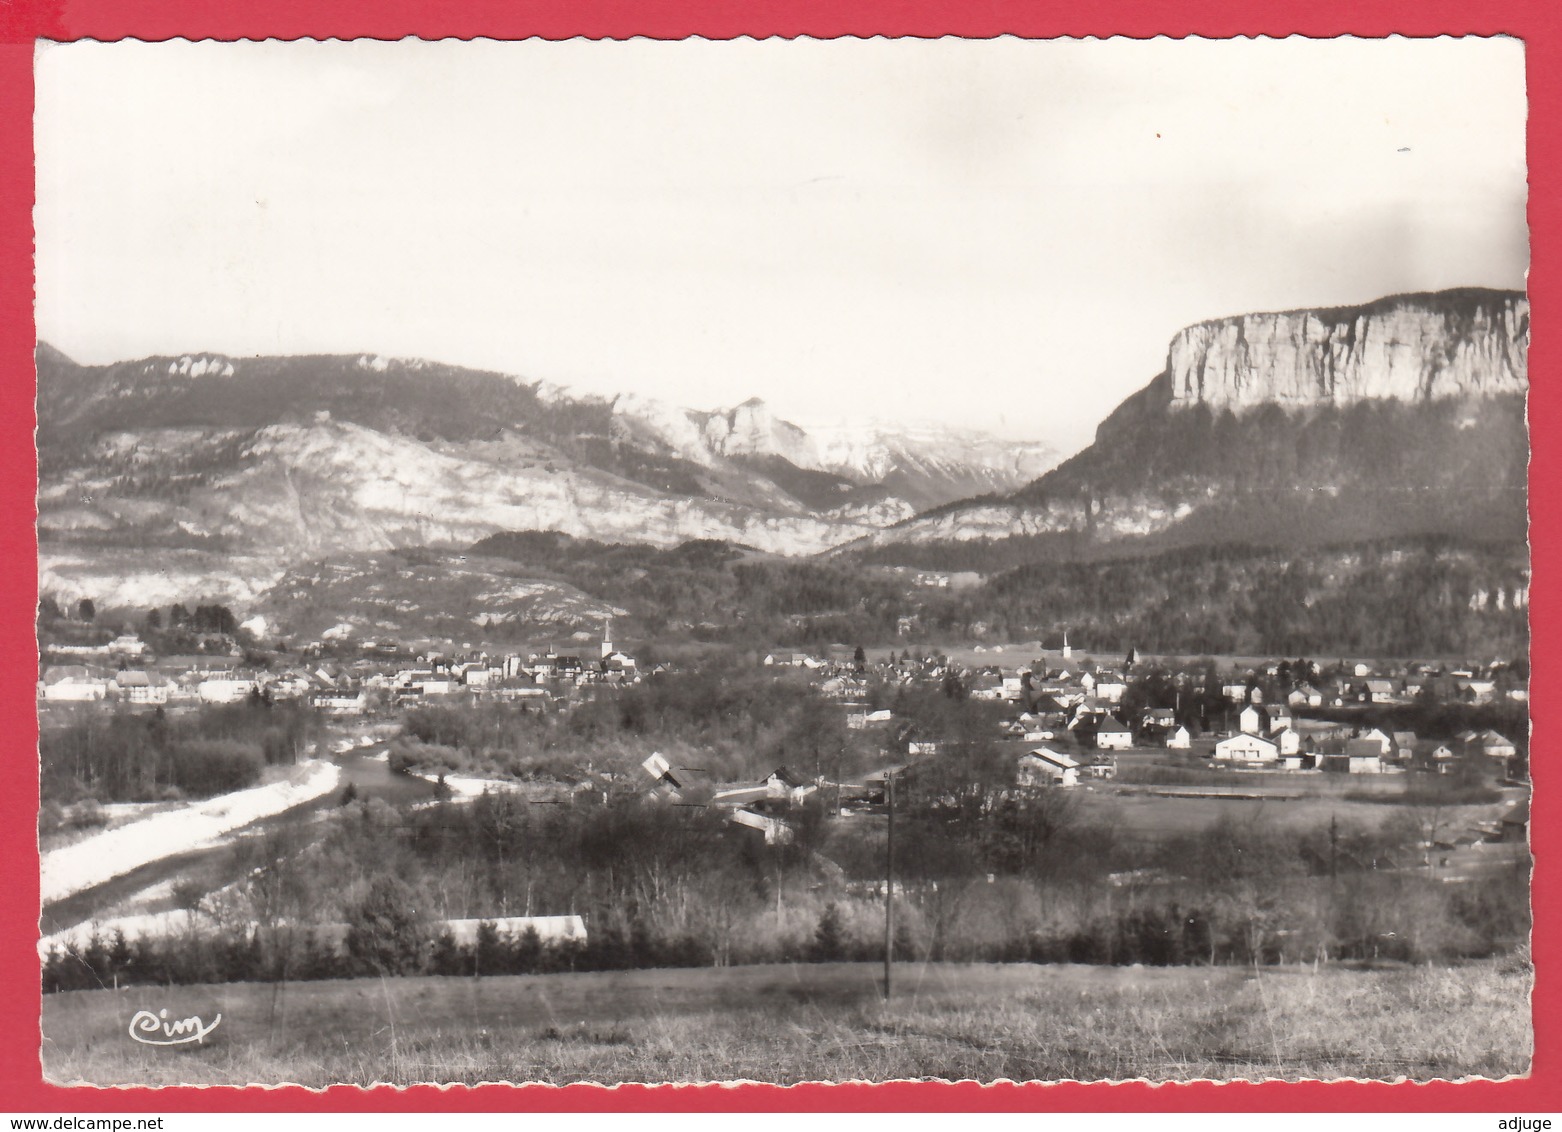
column 156, row 1030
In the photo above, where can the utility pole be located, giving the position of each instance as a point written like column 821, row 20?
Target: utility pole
column 889, row 885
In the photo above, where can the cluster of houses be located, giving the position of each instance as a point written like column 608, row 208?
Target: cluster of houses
column 1268, row 738
column 331, row 687
column 1072, row 723
column 1355, row 683
column 756, row 806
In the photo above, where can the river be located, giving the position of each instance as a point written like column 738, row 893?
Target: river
column 217, row 866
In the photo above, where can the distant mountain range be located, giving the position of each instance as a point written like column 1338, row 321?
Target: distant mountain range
column 204, row 475
column 381, row 496
column 1402, row 417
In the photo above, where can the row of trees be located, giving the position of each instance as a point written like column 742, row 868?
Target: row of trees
column 50, row 611
column 982, row 874
column 212, row 618
column 125, row 756
column 1292, row 920
column 731, row 721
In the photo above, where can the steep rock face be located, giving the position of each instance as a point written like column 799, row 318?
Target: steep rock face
column 1401, row 417
column 1408, row 348
column 333, row 486
column 752, row 429
column 660, row 424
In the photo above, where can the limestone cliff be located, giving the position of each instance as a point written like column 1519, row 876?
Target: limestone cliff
column 1409, row 348
column 1399, row 417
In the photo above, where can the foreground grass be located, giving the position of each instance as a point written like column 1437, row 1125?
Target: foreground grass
column 825, row 1022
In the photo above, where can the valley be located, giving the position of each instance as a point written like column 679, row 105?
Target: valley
column 1385, row 443
column 566, row 693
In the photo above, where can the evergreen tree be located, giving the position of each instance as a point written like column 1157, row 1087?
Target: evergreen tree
column 384, row 931
column 829, row 936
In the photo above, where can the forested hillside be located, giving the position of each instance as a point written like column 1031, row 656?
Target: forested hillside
column 1427, row 596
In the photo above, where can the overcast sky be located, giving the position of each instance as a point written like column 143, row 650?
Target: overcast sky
column 996, row 233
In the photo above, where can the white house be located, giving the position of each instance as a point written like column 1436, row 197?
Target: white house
column 1046, row 767
column 1490, row 743
column 1252, row 721
column 1164, row 718
column 127, row 645
column 1361, row 756
column 139, row 687
column 225, row 690
column 1380, row 691
column 1247, row 748
column 71, row 684
column 1113, row 735
column 1178, row 739
column 776, row 831
column 1305, row 695
column 782, row 783
column 342, row 703
column 786, row 660
column 1384, row 744
column 1111, row 690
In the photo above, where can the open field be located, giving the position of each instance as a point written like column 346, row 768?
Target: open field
column 1138, row 814
column 817, row 1022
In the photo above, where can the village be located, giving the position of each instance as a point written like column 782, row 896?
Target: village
column 1067, row 719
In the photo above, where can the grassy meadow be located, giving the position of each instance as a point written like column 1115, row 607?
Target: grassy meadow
column 817, row 1022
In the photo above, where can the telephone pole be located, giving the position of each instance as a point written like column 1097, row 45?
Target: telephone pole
column 889, row 885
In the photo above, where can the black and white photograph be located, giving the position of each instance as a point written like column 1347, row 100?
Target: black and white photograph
column 782, row 560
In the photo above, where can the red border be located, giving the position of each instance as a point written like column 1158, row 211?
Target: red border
column 1537, row 22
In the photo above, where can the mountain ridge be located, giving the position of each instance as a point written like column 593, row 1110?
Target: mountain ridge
column 1407, row 412
column 245, row 465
